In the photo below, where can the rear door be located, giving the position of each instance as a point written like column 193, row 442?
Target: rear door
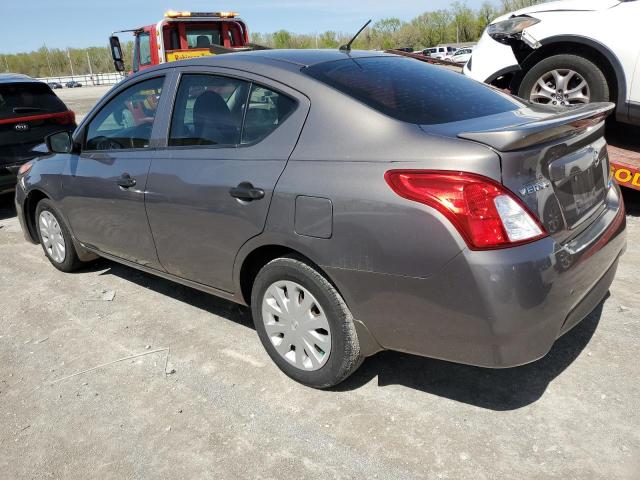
column 28, row 112
column 209, row 190
column 104, row 185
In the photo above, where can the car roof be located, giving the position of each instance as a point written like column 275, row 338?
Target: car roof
column 17, row 78
column 306, row 57
column 284, row 59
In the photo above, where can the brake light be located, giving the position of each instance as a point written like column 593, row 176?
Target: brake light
column 62, row 118
column 486, row 214
column 67, row 118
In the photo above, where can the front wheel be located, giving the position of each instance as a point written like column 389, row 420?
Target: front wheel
column 563, row 80
column 55, row 239
column 304, row 324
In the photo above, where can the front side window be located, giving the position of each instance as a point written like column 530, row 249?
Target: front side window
column 127, row 119
column 267, row 110
column 208, row 111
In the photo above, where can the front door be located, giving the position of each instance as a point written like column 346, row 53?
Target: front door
column 104, row 184
column 209, row 190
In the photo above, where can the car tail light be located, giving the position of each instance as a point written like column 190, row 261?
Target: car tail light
column 486, row 214
column 67, row 118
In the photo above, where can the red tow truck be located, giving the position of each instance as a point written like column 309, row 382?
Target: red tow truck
column 180, row 35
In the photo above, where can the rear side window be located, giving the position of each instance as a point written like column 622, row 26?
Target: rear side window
column 267, row 109
column 208, row 111
column 412, row 91
column 27, row 99
column 222, row 111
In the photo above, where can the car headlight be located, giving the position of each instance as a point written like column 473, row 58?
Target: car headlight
column 506, row 29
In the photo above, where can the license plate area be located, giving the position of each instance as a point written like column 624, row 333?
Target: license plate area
column 580, row 181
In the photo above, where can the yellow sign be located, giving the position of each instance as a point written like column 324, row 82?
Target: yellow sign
column 184, row 55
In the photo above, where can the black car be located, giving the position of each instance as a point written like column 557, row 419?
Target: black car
column 55, row 85
column 29, row 111
column 73, row 84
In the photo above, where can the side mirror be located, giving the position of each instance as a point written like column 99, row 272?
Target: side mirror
column 59, row 142
column 116, row 53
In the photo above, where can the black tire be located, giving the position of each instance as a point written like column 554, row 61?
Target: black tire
column 589, row 71
column 71, row 261
column 345, row 356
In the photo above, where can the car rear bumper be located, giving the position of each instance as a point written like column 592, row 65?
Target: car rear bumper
column 9, row 167
column 19, row 200
column 8, row 178
column 499, row 308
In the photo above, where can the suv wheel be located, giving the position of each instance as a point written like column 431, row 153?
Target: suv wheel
column 564, row 80
column 304, row 324
column 55, row 239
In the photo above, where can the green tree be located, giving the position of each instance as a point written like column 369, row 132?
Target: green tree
column 465, row 22
column 282, row 39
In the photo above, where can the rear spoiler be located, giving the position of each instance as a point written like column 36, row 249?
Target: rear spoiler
column 565, row 124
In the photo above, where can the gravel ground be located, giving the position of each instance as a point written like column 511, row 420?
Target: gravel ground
column 80, row 100
column 227, row 412
column 203, row 400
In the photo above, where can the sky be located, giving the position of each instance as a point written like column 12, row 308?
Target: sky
column 29, row 24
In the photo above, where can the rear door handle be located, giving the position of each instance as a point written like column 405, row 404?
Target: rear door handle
column 126, row 181
column 247, row 192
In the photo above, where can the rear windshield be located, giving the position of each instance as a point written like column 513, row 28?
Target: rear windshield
column 27, row 99
column 411, row 90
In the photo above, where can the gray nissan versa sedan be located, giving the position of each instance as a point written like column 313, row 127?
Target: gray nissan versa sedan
column 357, row 201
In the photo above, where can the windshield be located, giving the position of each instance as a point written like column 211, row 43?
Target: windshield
column 411, row 90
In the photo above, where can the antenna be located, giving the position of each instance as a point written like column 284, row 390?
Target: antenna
column 347, row 47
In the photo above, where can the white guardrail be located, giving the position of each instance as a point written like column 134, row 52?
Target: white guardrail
column 87, row 80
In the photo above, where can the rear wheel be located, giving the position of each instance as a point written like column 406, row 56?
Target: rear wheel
column 304, row 324
column 55, row 239
column 564, row 80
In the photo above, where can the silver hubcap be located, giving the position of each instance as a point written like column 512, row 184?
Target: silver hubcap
column 296, row 325
column 51, row 235
column 561, row 87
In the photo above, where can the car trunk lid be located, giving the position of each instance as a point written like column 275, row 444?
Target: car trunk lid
column 555, row 162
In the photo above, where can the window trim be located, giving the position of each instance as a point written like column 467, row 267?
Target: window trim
column 231, row 75
column 107, row 101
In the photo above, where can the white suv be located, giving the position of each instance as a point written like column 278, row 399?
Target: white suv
column 564, row 53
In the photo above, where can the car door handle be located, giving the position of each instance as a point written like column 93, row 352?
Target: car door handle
column 247, row 192
column 126, row 181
